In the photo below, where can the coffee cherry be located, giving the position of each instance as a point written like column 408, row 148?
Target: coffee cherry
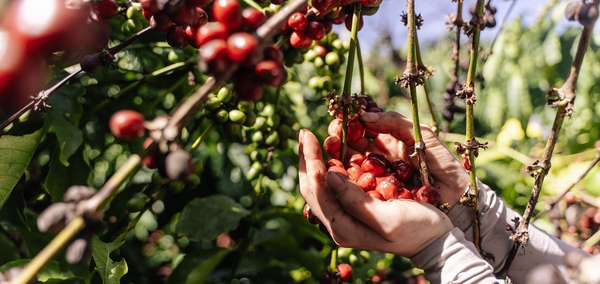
column 248, row 88
column 107, row 9
column 334, row 162
column 367, row 181
column 465, row 162
column 404, row 193
column 345, row 271
column 572, row 10
column 375, row 194
column 489, row 20
column 387, row 189
column 240, row 45
column 380, row 157
column 310, row 216
column 357, row 159
column 176, row 36
column 273, row 52
column 348, row 22
column 127, row 124
column 228, row 13
column 354, row 171
column 332, row 145
column 299, row 39
column 337, row 169
column 373, row 165
column 315, row 30
column 187, row 16
column 355, row 130
column 178, row 165
column 403, row 171
column 429, row 194
column 253, row 18
column 137, row 203
column 161, row 22
column 237, row 116
column 78, row 251
column 588, row 14
column 90, row 63
column 270, row 73
column 211, row 31
column 298, row 21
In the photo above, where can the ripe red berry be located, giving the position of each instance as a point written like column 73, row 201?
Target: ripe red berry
column 228, row 13
column 357, row 158
column 127, row 124
column 299, row 39
column 345, row 271
column 334, row 162
column 387, row 189
column 247, row 88
column 214, row 50
column 151, row 160
column 403, row 171
column 404, row 193
column 310, row 216
column 373, row 165
column 465, row 162
column 271, row 73
column 320, row 50
column 187, row 16
column 273, row 52
column 107, row 9
column 253, row 18
column 332, row 145
column 375, row 194
column 355, row 129
column 315, row 30
column 298, row 21
column 176, row 36
column 354, row 171
column 321, row 5
column 190, row 36
column 348, row 22
column 327, row 25
column 337, row 169
column 367, row 181
column 209, row 32
column 380, row 157
column 429, row 194
column 240, row 46
column 161, row 22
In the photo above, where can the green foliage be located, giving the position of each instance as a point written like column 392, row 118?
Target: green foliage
column 110, row 271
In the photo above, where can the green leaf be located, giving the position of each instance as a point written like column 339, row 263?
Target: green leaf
column 15, row 154
column 61, row 177
column 64, row 116
column 206, row 218
column 9, row 250
column 110, row 271
column 197, row 266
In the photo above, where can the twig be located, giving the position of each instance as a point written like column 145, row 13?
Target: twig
column 361, row 67
column 38, row 102
column 94, row 207
column 422, row 69
column 449, row 105
column 539, row 170
column 551, row 205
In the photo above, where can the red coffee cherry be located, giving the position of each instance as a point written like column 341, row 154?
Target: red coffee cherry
column 90, row 63
column 321, row 5
column 247, row 88
column 375, row 194
column 373, row 165
column 367, row 181
column 404, row 193
column 429, row 194
column 355, row 130
column 273, row 52
column 253, row 18
column 211, row 31
column 332, row 145
column 334, row 162
column 228, row 13
column 161, row 22
column 187, row 16
column 348, row 22
column 355, row 171
column 357, row 158
column 270, row 73
column 127, row 124
column 315, row 30
column 320, row 50
column 298, row 21
column 213, row 56
column 240, row 46
column 190, row 36
column 310, row 216
column 299, row 39
column 337, row 169
column 151, row 160
column 176, row 36
column 380, row 157
column 403, row 171
column 388, row 190
column 107, row 9
column 345, row 271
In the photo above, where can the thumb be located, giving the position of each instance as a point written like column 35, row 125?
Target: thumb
column 392, row 123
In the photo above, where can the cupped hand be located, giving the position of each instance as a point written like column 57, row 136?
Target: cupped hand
column 355, row 219
column 394, row 138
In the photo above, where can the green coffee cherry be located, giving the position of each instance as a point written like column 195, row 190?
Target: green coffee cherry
column 221, row 116
column 272, row 139
column 213, row 103
column 246, row 106
column 250, row 119
column 224, row 94
column 237, row 116
column 268, row 110
column 254, row 170
column 257, row 156
column 260, row 123
column 319, row 63
column 332, row 59
column 258, row 137
column 273, row 121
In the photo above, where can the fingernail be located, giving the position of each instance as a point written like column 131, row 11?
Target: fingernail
column 369, row 117
column 300, row 135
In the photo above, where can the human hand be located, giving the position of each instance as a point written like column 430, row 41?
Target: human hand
column 355, row 219
column 395, row 140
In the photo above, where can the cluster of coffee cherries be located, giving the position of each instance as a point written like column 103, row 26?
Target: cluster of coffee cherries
column 54, row 218
column 179, row 19
column 585, row 13
column 344, row 272
column 489, row 19
column 172, row 161
column 582, row 221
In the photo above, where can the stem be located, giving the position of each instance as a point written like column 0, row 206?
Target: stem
column 361, row 67
column 44, row 256
column 130, row 226
column 575, row 182
column 42, row 97
column 420, row 66
column 128, row 41
column 333, row 264
column 449, row 106
column 348, row 79
column 201, row 138
column 564, row 107
column 412, row 75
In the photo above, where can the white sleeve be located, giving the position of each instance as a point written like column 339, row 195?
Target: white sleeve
column 542, row 248
column 453, row 259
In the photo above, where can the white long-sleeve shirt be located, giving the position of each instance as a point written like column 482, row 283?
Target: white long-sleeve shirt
column 453, row 258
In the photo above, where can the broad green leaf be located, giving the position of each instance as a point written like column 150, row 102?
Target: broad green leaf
column 15, row 154
column 50, row 273
column 61, row 177
column 206, row 218
column 110, row 271
column 9, row 251
column 197, row 266
column 64, row 117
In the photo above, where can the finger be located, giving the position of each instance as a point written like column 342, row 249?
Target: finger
column 361, row 206
column 311, row 167
column 390, row 122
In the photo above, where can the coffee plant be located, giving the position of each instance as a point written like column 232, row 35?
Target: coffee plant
column 154, row 141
